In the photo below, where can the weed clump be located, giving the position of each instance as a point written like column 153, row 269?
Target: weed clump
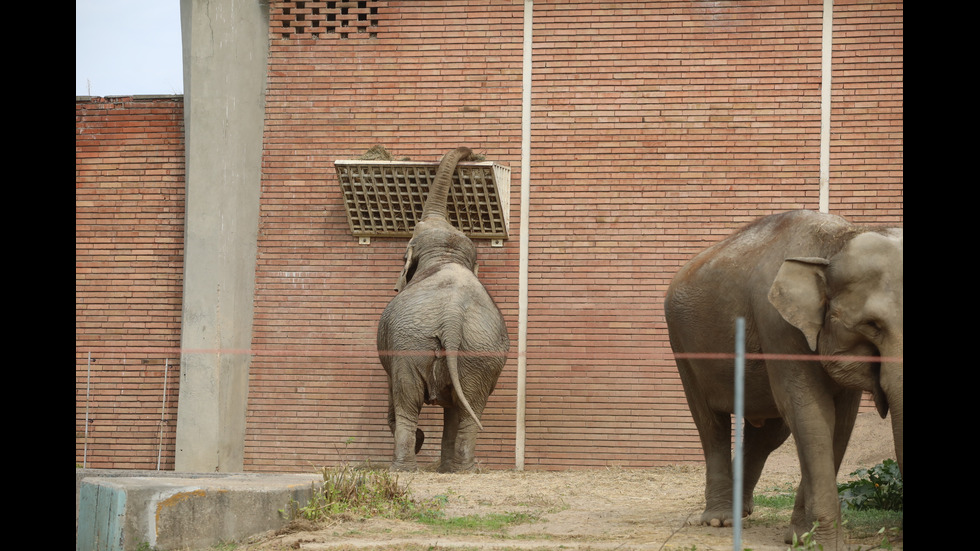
column 347, row 491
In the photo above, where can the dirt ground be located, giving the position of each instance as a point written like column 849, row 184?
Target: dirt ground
column 600, row 509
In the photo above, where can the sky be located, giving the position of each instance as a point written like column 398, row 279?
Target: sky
column 128, row 47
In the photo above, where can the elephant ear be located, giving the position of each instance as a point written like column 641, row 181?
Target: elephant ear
column 799, row 293
column 408, row 271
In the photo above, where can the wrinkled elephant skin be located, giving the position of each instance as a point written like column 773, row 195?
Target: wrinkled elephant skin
column 441, row 339
column 806, row 284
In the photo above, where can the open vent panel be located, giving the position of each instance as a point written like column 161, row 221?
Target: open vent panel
column 385, row 198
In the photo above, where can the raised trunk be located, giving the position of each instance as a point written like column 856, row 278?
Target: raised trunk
column 435, row 203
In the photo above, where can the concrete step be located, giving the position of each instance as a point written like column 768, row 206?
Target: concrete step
column 122, row 510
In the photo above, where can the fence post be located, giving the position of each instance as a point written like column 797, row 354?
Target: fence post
column 737, row 481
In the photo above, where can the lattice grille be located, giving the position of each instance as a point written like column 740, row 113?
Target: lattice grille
column 305, row 19
column 385, row 198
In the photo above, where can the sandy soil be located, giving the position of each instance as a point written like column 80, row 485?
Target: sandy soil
column 600, row 509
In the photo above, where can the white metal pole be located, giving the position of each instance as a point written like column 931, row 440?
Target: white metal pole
column 826, row 67
column 737, row 481
column 525, row 228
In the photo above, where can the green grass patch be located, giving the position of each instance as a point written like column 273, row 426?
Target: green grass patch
column 491, row 522
column 365, row 493
column 775, row 500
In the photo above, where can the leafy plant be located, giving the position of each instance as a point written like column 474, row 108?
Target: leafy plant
column 806, row 541
column 879, row 487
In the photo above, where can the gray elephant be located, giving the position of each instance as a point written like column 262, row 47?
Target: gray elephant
column 441, row 339
column 807, row 285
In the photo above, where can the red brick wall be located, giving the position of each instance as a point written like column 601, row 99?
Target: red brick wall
column 657, row 128
column 867, row 121
column 129, row 241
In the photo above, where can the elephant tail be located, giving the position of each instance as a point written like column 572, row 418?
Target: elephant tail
column 452, row 363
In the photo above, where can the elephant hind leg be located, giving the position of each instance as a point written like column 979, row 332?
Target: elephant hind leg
column 406, row 396
column 716, row 435
column 450, row 429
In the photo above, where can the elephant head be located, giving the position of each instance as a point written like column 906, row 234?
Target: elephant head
column 850, row 309
column 435, row 241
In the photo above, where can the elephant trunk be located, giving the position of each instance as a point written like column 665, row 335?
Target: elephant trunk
column 435, row 203
column 892, row 385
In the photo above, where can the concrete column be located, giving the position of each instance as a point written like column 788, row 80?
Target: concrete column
column 225, row 48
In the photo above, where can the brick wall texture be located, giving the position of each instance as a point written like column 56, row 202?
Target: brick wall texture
column 656, row 129
column 129, row 251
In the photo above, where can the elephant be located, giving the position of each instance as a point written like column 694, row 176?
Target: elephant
column 822, row 303
column 442, row 340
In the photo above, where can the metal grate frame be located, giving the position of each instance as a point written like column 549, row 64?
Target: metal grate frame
column 385, row 198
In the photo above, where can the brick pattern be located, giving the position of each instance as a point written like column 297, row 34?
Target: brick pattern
column 129, row 240
column 867, row 121
column 657, row 128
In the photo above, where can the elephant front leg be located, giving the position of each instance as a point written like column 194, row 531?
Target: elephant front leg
column 817, row 501
column 821, row 447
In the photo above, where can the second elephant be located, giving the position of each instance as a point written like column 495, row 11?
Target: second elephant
column 823, row 301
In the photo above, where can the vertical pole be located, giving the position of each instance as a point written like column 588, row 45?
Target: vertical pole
column 737, row 481
column 525, row 212
column 826, row 67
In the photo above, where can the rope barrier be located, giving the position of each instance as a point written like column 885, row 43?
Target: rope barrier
column 537, row 353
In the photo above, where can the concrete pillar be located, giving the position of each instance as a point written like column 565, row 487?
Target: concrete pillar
column 225, row 46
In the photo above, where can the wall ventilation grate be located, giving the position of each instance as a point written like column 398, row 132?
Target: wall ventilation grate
column 385, row 198
column 313, row 19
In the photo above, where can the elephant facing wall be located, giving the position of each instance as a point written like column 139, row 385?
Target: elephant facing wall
column 822, row 297
column 441, row 339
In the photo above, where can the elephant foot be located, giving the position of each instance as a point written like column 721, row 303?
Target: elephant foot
column 455, row 469
column 828, row 539
column 721, row 517
column 403, row 466
column 717, row 518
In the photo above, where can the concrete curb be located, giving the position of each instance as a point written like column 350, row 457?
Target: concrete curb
column 121, row 510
